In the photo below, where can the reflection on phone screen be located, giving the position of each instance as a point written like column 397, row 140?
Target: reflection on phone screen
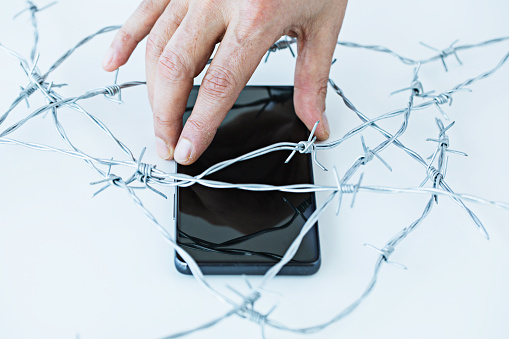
column 237, row 227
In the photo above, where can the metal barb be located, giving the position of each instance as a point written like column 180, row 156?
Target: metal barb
column 386, row 253
column 369, row 154
column 357, row 187
column 416, row 86
column 112, row 90
column 34, row 9
column 340, row 189
column 443, row 98
column 145, row 173
column 285, row 43
column 451, row 50
column 307, row 147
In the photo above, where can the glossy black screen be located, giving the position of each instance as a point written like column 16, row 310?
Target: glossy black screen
column 241, row 228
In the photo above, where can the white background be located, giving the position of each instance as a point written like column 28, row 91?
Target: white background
column 96, row 268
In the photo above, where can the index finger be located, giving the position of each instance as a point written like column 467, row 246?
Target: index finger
column 232, row 67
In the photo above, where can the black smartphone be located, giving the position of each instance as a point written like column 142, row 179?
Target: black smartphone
column 231, row 231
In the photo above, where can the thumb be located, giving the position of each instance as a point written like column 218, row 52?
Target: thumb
column 311, row 80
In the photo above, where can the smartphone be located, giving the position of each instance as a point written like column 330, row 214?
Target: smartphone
column 231, row 231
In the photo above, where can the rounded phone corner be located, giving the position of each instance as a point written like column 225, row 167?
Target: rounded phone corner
column 315, row 266
column 181, row 265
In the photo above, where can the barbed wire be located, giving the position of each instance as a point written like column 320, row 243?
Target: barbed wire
column 148, row 176
column 287, row 43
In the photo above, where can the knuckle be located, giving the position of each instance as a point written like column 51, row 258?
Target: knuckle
column 201, row 128
column 161, row 119
column 322, row 85
column 172, row 21
column 210, row 3
column 213, row 4
column 172, row 66
column 315, row 86
column 207, row 5
column 210, row 10
column 124, row 36
column 219, row 82
column 197, row 125
column 256, row 16
column 155, row 45
column 260, row 12
column 146, row 8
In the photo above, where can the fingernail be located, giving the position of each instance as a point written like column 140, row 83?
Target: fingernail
column 183, row 151
column 325, row 123
column 162, row 148
column 108, row 57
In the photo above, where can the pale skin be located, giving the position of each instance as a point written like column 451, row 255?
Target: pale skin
column 182, row 35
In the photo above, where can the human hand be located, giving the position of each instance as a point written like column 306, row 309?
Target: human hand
column 182, row 35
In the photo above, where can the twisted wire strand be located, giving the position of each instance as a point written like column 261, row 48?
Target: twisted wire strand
column 146, row 173
column 413, row 154
column 287, row 43
column 33, row 9
column 78, row 45
column 183, row 180
column 382, row 259
column 440, row 56
column 384, row 255
column 436, row 99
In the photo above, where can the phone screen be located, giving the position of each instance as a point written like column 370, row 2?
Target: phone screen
column 242, row 229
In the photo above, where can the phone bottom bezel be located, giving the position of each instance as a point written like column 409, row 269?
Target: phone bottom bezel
column 218, row 268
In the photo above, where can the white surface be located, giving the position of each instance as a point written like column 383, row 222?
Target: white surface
column 71, row 265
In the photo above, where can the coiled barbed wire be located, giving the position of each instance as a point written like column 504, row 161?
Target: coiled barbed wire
column 148, row 176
